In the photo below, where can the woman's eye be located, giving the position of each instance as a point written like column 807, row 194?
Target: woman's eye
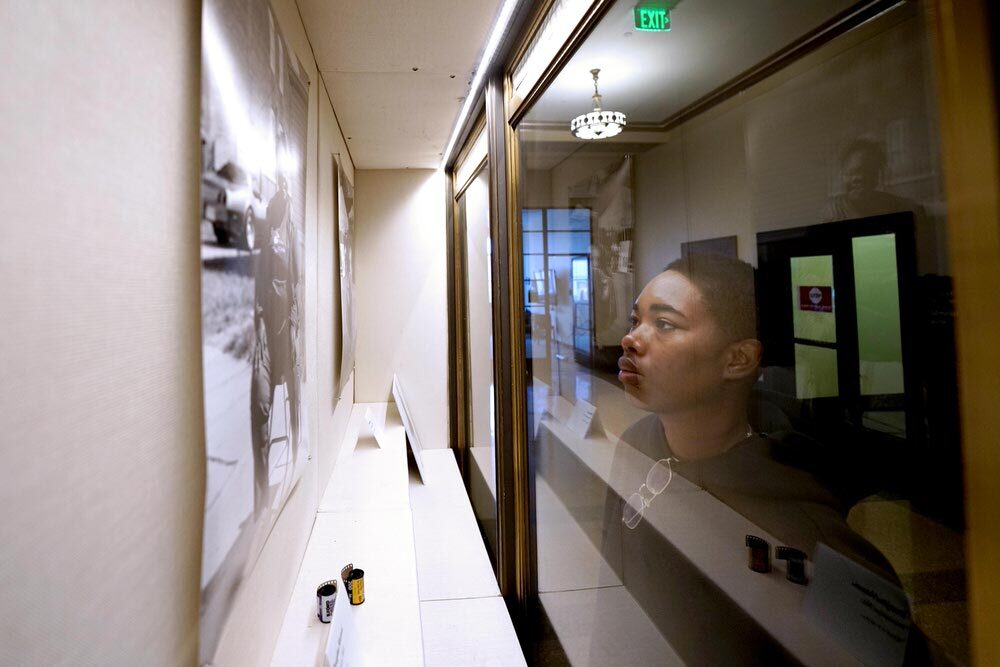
column 664, row 325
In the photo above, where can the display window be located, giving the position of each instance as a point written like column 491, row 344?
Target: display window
column 473, row 333
column 740, row 379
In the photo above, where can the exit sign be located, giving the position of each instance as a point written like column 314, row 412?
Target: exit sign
column 651, row 18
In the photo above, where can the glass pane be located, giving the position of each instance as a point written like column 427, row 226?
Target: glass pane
column 474, row 214
column 534, row 243
column 534, row 265
column 758, row 297
column 880, row 347
column 567, row 243
column 815, row 372
column 476, row 154
column 568, row 219
column 531, row 220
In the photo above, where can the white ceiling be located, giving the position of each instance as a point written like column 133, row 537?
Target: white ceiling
column 392, row 116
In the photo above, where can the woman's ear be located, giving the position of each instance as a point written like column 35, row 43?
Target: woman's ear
column 743, row 359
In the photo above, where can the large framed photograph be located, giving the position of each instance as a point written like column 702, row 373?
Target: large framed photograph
column 345, row 260
column 254, row 113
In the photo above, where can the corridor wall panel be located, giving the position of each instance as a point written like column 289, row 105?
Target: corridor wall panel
column 101, row 431
column 102, row 480
column 401, row 298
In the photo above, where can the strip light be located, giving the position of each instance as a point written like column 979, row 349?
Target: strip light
column 499, row 29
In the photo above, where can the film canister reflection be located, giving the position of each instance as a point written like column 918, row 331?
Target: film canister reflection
column 356, row 586
column 760, row 554
column 796, row 564
column 326, row 597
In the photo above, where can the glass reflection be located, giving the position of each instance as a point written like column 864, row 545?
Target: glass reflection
column 473, row 216
column 742, row 326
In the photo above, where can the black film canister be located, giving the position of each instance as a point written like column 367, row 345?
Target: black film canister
column 760, row 554
column 796, row 563
column 326, row 598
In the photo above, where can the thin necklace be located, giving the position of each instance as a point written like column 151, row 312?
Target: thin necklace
column 746, row 436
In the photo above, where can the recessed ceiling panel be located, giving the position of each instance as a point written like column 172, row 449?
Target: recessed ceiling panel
column 366, row 51
column 444, row 36
column 395, row 120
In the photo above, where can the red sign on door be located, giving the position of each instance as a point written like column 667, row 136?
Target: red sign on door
column 815, row 298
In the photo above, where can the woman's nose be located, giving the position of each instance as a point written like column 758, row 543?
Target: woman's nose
column 632, row 341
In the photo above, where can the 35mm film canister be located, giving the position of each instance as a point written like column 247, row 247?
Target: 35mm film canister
column 354, row 583
column 356, row 586
column 796, row 560
column 760, row 554
column 326, row 597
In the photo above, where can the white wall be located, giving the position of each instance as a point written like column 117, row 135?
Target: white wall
column 401, row 300
column 103, row 462
column 103, row 474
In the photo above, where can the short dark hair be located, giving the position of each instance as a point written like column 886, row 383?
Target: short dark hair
column 867, row 148
column 727, row 286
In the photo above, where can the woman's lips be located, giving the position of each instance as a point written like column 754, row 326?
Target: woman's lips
column 628, row 373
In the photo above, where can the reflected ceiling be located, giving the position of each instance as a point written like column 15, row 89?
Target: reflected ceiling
column 652, row 75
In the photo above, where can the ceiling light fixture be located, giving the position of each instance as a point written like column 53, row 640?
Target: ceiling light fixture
column 597, row 124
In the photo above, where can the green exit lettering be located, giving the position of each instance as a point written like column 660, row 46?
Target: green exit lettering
column 651, row 19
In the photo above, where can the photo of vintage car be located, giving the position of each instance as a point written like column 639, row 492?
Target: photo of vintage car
column 233, row 204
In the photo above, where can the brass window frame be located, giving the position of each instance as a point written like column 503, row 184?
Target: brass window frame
column 969, row 123
column 459, row 405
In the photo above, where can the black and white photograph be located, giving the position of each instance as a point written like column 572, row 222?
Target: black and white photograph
column 345, row 249
column 254, row 112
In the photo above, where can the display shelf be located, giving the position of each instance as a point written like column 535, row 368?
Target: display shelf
column 595, row 617
column 387, row 626
column 465, row 620
column 698, row 536
column 567, row 558
column 370, row 473
column 430, row 593
column 365, row 519
column 605, row 626
column 474, row 631
column 484, row 470
column 451, row 560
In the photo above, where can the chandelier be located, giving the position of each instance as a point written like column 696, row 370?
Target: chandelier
column 598, row 124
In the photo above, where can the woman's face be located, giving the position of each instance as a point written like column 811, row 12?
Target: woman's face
column 860, row 174
column 674, row 353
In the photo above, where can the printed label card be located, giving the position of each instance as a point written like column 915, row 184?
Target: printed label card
column 374, row 427
column 584, row 421
column 868, row 615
